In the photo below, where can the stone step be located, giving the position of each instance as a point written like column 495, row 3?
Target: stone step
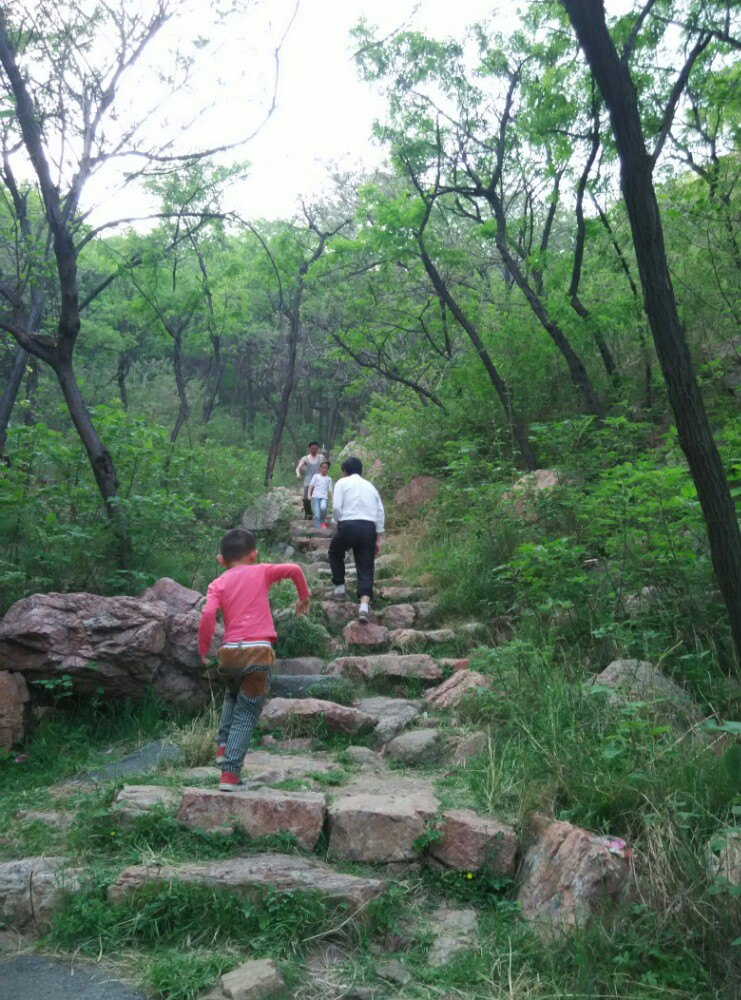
column 356, row 633
column 299, row 666
column 260, row 812
column 337, row 612
column 305, row 713
column 394, row 592
column 408, row 638
column 415, row 666
column 379, row 828
column 393, row 715
column 303, row 686
column 253, row 875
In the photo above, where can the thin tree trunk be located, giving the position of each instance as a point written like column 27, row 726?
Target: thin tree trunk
column 636, row 179
column 32, row 385
column 517, row 427
column 217, row 376
column 285, row 399
column 124, row 365
column 98, row 456
column 177, row 360
column 11, row 393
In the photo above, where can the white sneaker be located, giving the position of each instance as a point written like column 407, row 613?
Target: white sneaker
column 363, row 613
column 339, row 593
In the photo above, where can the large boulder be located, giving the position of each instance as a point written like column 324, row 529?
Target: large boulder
column 418, row 492
column 271, row 512
column 570, row 875
column 14, row 701
column 526, row 490
column 174, row 595
column 636, row 680
column 127, row 646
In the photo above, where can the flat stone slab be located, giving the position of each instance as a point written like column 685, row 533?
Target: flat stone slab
column 258, row 979
column 134, row 801
column 299, row 666
column 302, row 686
column 146, row 758
column 356, row 633
column 415, row 666
column 396, row 593
column 31, row 977
column 344, row 611
column 408, row 638
column 251, row 875
column 262, row 812
column 418, row 746
column 306, row 712
column 270, row 768
column 455, row 930
column 392, row 714
column 379, row 829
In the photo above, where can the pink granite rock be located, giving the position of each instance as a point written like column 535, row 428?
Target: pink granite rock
column 260, row 813
column 379, row 828
column 450, row 692
column 399, row 616
column 471, row 843
column 357, row 634
column 419, row 491
column 406, row 638
column 569, row 875
column 280, row 712
column 418, row 666
column 254, row 874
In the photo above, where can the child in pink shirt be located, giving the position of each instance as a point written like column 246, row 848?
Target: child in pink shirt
column 246, row 656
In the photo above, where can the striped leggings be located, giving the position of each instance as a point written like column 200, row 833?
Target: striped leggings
column 247, row 671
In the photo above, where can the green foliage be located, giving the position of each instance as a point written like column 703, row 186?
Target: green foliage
column 300, row 635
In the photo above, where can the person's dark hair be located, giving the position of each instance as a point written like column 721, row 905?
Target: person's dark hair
column 313, row 442
column 236, row 544
column 353, row 467
column 325, row 462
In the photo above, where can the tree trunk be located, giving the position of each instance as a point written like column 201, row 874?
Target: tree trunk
column 517, row 427
column 98, row 456
column 32, row 385
column 11, row 392
column 285, row 399
column 177, row 360
column 124, row 365
column 217, row 375
column 636, row 178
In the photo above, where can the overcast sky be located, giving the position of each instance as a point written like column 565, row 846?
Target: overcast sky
column 324, row 114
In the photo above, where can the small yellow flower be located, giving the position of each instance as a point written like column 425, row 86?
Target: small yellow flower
column 469, row 875
column 113, row 833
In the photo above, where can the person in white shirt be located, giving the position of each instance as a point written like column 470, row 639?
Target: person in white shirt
column 358, row 512
column 320, row 490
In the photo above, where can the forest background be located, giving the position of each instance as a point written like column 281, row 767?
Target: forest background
column 479, row 308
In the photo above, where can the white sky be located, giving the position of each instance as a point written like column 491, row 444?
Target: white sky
column 324, row 113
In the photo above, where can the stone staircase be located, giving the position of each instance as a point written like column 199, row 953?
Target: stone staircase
column 354, row 784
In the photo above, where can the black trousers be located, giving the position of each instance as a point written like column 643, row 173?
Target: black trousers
column 360, row 536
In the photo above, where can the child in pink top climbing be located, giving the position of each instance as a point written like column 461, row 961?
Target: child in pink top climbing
column 246, row 656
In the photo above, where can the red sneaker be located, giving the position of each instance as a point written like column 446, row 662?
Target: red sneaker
column 220, row 753
column 229, row 782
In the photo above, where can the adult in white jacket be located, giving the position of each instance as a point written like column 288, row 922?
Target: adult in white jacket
column 358, row 513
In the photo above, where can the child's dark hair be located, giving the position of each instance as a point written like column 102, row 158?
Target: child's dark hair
column 352, row 466
column 313, row 442
column 236, row 544
column 325, row 462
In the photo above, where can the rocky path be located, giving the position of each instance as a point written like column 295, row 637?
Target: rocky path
column 355, row 776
